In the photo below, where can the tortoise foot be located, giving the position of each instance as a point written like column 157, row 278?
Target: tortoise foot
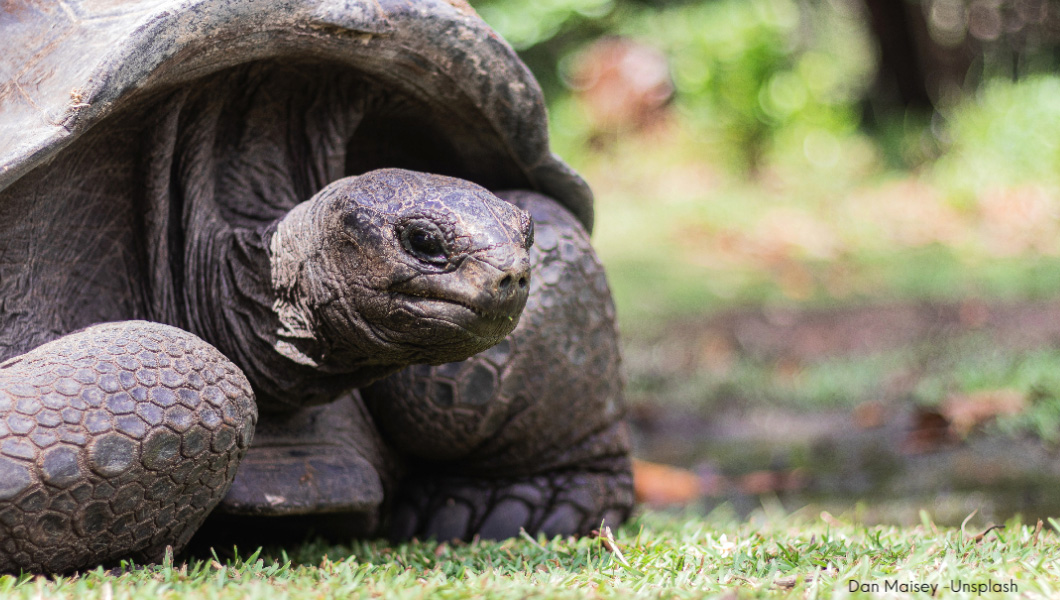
column 310, row 472
column 313, row 460
column 564, row 503
column 115, row 442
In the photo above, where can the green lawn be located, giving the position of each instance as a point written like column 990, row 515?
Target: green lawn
column 769, row 554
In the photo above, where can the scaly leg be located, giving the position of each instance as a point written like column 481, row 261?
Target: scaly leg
column 115, row 442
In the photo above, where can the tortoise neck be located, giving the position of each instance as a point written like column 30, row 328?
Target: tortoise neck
column 237, row 313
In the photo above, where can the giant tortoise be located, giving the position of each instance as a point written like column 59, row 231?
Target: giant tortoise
column 266, row 261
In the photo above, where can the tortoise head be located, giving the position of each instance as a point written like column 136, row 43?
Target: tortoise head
column 396, row 267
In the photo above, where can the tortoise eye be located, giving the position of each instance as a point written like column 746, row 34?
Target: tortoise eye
column 423, row 240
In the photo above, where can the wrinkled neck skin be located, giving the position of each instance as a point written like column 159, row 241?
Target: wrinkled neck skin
column 267, row 333
column 248, row 247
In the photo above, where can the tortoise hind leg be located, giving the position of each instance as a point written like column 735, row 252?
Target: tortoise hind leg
column 530, row 433
column 115, row 442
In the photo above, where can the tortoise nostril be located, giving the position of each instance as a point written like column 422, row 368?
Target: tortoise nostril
column 523, row 283
column 506, row 282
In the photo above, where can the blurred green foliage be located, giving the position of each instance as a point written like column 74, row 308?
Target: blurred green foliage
column 525, row 23
column 1005, row 135
column 763, row 187
column 758, row 79
column 751, row 72
column 746, row 72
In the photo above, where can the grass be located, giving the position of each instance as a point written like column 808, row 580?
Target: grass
column 770, row 554
column 702, row 242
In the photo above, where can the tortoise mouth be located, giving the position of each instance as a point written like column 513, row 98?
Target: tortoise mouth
column 414, row 299
column 482, row 323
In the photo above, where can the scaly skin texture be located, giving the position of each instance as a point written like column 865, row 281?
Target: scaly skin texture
column 530, row 433
column 115, row 441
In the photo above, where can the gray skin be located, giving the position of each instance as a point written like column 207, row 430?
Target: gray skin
column 159, row 150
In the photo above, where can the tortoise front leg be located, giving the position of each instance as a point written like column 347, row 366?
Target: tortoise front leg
column 115, row 441
column 530, row 433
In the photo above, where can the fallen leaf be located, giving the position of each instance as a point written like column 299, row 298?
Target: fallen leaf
column 931, row 431
column 965, row 411
column 870, row 415
column 786, row 583
column 607, row 540
column 979, row 537
column 659, row 484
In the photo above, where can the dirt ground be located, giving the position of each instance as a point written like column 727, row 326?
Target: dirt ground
column 900, row 456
